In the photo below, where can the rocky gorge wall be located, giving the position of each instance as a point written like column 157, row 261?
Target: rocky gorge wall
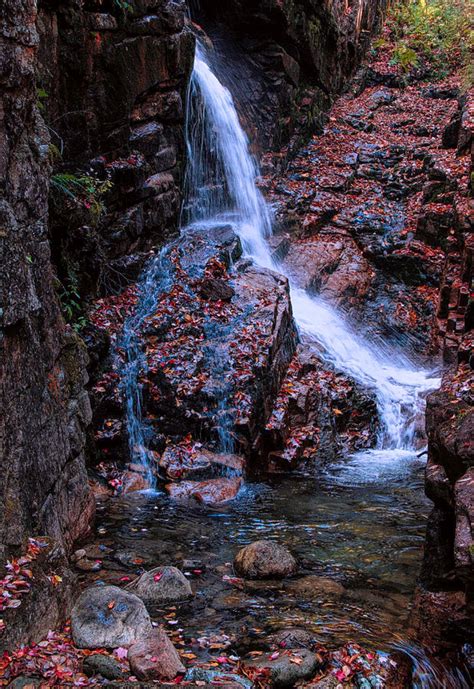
column 447, row 578
column 114, row 87
column 45, row 407
column 285, row 61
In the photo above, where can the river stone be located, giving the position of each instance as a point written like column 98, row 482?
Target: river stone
column 265, row 559
column 313, row 586
column 285, row 670
column 162, row 585
column 103, row 665
column 108, row 617
column 328, row 682
column 25, row 682
column 155, row 657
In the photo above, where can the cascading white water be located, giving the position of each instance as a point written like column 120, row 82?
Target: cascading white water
column 399, row 387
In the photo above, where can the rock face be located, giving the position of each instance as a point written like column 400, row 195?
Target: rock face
column 284, row 60
column 44, row 407
column 318, row 414
column 115, row 84
column 162, row 585
column 369, row 211
column 265, row 560
column 48, row 600
column 108, row 617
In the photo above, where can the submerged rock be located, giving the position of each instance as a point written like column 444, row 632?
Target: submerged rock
column 293, row 637
column 283, row 670
column 313, row 586
column 265, row 560
column 155, row 657
column 108, row 617
column 162, row 585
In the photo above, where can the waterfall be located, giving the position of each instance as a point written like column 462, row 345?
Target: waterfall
column 214, row 131
column 220, row 187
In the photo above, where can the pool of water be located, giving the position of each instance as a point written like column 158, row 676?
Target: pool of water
column 361, row 528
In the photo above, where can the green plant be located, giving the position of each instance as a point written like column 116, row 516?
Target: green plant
column 124, row 5
column 405, row 56
column 439, row 32
column 42, row 96
column 83, row 190
column 70, row 301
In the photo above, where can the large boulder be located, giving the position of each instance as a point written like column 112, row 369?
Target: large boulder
column 283, row 669
column 265, row 560
column 155, row 657
column 108, row 617
column 162, row 585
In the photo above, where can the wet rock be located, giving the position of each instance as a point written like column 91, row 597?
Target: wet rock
column 233, row 600
column 162, row 585
column 103, row 665
column 285, row 669
column 199, row 464
column 134, row 481
column 154, row 657
column 97, row 551
column 265, row 559
column 108, row 617
column 314, row 586
column 293, row 637
column 78, row 554
column 215, row 290
column 132, row 559
column 213, row 492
